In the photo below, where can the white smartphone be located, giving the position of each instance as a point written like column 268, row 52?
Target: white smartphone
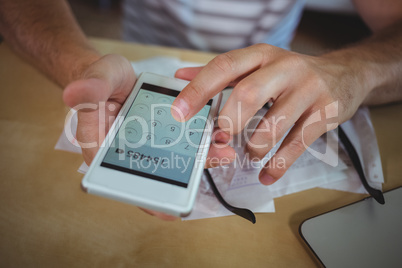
column 148, row 158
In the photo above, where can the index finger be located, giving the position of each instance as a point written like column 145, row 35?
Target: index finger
column 214, row 77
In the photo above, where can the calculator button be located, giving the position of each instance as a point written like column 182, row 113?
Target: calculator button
column 164, row 100
column 186, row 147
column 193, row 136
column 149, row 137
column 173, row 130
column 166, row 141
column 155, row 125
column 197, row 122
column 141, row 108
column 135, row 123
column 159, row 112
column 132, row 135
column 146, row 97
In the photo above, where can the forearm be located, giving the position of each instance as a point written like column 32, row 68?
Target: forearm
column 376, row 64
column 45, row 33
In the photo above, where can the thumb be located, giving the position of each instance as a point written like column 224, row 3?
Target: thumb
column 92, row 90
column 111, row 77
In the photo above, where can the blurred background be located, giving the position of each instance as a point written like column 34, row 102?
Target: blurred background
column 325, row 25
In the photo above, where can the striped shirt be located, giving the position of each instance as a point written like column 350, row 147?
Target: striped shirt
column 211, row 25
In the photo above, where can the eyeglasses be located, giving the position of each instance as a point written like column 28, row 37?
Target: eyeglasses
column 242, row 212
column 351, row 151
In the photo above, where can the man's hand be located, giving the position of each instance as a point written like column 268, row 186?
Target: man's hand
column 301, row 87
column 103, row 86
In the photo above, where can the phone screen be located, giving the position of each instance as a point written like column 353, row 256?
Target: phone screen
column 152, row 144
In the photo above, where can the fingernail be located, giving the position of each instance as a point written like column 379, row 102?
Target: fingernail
column 266, row 179
column 180, row 110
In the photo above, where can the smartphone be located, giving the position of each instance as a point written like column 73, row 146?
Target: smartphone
column 149, row 159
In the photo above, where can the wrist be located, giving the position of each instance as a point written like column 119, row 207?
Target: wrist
column 76, row 66
column 356, row 73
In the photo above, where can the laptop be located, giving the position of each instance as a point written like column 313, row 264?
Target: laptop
column 362, row 234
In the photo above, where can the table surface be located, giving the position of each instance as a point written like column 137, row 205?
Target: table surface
column 47, row 220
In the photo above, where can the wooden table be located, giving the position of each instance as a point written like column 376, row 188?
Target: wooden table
column 46, row 220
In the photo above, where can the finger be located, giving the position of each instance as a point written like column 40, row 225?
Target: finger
column 287, row 109
column 214, row 77
column 293, row 146
column 188, row 73
column 110, row 77
column 93, row 127
column 92, row 90
column 220, row 136
column 220, row 154
column 249, row 95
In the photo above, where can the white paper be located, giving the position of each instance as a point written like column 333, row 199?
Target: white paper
column 361, row 133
